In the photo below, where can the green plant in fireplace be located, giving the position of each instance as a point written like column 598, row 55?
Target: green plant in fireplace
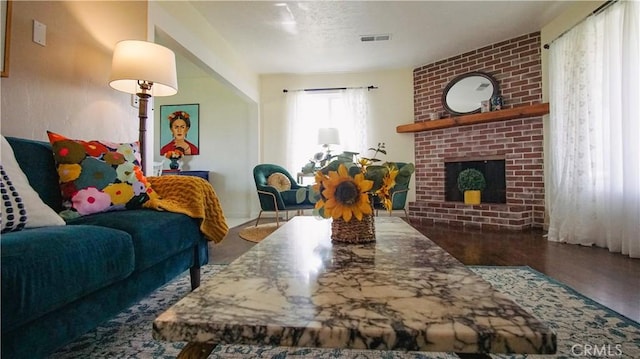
column 471, row 182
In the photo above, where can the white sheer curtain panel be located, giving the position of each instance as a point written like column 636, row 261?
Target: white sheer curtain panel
column 593, row 196
column 299, row 146
column 307, row 112
column 355, row 128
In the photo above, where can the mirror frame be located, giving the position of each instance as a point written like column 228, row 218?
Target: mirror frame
column 494, row 82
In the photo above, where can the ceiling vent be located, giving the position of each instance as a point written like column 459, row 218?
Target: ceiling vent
column 371, row 38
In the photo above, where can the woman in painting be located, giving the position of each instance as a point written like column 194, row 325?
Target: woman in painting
column 179, row 125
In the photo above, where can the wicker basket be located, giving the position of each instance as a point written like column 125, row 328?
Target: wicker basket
column 354, row 231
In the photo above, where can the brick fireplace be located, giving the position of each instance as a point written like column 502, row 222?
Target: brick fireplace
column 516, row 66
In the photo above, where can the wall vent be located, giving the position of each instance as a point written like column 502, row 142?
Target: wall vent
column 370, row 38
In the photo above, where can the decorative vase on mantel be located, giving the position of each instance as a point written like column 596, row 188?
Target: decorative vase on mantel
column 174, row 164
column 355, row 231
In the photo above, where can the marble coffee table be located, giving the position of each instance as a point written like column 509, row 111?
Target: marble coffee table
column 402, row 292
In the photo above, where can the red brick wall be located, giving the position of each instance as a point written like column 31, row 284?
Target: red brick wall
column 516, row 66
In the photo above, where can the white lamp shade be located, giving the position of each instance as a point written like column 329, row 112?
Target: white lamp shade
column 135, row 60
column 328, row 136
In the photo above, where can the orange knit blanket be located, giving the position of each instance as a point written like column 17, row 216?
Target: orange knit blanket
column 192, row 196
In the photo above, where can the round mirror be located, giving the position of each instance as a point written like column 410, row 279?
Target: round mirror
column 464, row 94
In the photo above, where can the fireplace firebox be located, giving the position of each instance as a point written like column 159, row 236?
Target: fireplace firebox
column 494, row 174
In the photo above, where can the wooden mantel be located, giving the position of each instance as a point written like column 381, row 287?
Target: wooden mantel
column 484, row 117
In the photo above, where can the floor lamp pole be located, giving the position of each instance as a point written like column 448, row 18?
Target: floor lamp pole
column 143, row 95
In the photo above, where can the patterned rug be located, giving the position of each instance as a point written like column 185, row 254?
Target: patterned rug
column 584, row 328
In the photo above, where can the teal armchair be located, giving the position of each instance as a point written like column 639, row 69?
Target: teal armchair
column 399, row 191
column 277, row 200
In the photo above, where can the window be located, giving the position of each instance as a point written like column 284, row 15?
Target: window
column 345, row 110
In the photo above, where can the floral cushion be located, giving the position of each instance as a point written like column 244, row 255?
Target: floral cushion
column 99, row 176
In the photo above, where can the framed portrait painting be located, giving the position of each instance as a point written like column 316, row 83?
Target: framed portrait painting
column 180, row 129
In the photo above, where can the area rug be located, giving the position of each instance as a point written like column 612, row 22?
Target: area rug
column 584, row 328
column 257, row 233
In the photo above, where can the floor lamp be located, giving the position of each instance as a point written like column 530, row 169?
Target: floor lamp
column 144, row 69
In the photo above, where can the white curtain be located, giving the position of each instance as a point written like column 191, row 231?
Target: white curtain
column 355, row 126
column 593, row 195
column 307, row 112
column 297, row 152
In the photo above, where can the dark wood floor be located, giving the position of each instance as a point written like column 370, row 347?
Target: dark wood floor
column 608, row 278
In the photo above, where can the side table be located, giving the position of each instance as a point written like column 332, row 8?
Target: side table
column 202, row 174
column 302, row 176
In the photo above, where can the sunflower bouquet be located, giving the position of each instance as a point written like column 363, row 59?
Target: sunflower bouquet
column 347, row 191
column 346, row 194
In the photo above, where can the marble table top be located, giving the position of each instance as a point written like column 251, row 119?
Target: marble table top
column 403, row 292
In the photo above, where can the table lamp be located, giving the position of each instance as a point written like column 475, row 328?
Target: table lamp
column 328, row 137
column 144, row 69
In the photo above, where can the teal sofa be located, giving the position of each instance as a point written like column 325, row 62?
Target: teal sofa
column 59, row 282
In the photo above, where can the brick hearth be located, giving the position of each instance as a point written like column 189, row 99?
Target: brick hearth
column 516, row 66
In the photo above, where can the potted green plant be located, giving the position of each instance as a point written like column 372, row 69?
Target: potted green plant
column 471, row 182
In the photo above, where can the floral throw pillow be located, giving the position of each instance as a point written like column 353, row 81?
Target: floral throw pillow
column 98, row 176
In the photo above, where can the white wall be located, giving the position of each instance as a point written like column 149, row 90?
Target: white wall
column 181, row 21
column 63, row 86
column 227, row 128
column 391, row 105
column 211, row 74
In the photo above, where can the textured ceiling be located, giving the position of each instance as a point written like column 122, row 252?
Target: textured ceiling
column 324, row 36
